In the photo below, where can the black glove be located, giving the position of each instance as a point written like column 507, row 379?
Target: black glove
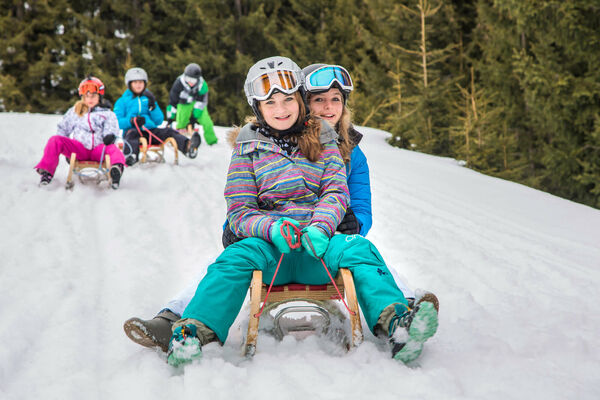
column 193, row 120
column 140, row 121
column 151, row 99
column 229, row 237
column 109, row 139
column 170, row 121
column 349, row 224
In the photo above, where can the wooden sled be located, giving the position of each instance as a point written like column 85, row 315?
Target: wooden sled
column 88, row 171
column 156, row 152
column 285, row 293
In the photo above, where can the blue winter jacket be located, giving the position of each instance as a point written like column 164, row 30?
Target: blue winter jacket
column 359, row 186
column 130, row 105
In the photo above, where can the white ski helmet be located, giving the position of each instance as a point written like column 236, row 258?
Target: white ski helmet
column 269, row 74
column 135, row 74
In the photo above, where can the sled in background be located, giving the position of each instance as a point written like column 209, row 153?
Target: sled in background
column 155, row 152
column 318, row 299
column 88, row 171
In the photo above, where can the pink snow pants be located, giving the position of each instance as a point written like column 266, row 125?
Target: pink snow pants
column 58, row 145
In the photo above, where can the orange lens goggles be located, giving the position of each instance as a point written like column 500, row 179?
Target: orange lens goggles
column 264, row 85
column 90, row 87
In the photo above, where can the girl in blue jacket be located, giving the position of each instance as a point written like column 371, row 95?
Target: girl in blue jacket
column 138, row 113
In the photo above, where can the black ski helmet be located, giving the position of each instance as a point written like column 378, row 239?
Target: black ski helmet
column 193, row 70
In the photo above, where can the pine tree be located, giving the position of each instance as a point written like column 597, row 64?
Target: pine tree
column 423, row 79
column 557, row 71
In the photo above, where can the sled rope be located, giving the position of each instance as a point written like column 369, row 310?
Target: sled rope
column 330, row 277
column 286, row 230
column 150, row 134
column 287, row 234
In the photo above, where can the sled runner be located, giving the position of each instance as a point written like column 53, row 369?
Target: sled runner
column 88, row 171
column 155, row 152
column 318, row 300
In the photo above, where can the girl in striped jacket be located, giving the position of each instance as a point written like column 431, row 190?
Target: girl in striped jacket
column 286, row 166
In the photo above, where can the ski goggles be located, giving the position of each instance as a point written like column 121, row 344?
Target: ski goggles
column 262, row 87
column 90, row 87
column 323, row 78
column 190, row 80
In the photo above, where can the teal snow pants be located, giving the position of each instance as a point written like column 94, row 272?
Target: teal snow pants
column 220, row 295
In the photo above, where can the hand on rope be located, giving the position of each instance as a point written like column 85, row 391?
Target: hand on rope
column 137, row 121
column 314, row 241
column 109, row 139
column 285, row 234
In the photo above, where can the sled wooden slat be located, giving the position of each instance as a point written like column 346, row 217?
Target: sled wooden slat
column 258, row 292
column 76, row 167
column 158, row 149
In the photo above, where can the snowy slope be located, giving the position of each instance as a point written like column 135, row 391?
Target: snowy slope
column 516, row 271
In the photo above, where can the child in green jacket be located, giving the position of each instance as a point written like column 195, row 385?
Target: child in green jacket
column 188, row 99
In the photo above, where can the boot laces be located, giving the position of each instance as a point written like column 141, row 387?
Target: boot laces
column 402, row 318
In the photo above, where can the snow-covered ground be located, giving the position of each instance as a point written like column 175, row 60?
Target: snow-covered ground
column 516, row 270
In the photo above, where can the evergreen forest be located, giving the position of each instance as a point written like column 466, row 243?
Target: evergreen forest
column 509, row 87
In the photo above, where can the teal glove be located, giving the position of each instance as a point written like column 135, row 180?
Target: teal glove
column 277, row 238
column 316, row 237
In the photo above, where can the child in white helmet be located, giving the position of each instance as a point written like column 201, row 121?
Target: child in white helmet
column 140, row 115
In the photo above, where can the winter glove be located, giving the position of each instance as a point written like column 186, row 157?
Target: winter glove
column 139, row 120
column 193, row 120
column 229, row 237
column 109, row 139
column 169, row 122
column 349, row 224
column 277, row 238
column 314, row 241
column 151, row 99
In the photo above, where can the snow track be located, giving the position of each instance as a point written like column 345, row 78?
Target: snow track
column 516, row 272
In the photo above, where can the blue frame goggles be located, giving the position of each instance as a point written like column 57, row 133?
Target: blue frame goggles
column 262, row 87
column 323, row 78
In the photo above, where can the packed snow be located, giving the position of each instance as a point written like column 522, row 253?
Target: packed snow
column 516, row 271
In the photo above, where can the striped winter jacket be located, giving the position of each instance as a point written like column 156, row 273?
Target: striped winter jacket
column 264, row 183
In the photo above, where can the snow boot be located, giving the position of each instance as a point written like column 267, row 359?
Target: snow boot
column 155, row 332
column 130, row 160
column 184, row 346
column 45, row 177
column 409, row 329
column 421, row 296
column 115, row 175
column 194, row 143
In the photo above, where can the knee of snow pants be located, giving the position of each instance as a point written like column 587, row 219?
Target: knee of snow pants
column 221, row 293
column 375, row 286
column 56, row 146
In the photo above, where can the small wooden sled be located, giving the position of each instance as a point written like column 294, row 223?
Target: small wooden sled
column 156, row 152
column 316, row 293
column 88, row 171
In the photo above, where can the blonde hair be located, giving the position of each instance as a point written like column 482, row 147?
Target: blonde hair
column 342, row 128
column 81, row 108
